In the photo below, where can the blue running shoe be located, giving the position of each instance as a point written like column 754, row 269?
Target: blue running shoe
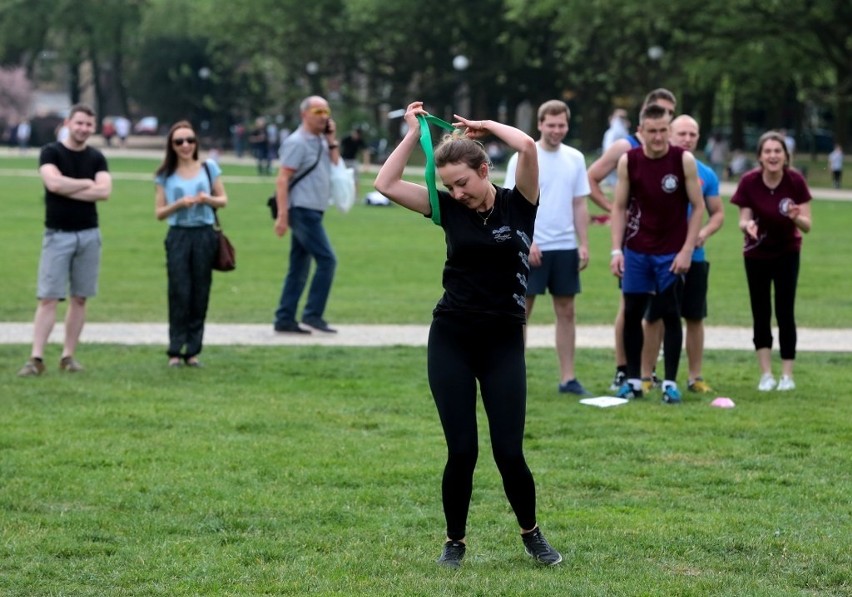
column 628, row 391
column 671, row 395
column 573, row 386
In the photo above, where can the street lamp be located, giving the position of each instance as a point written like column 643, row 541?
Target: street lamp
column 655, row 54
column 204, row 74
column 460, row 64
column 312, row 68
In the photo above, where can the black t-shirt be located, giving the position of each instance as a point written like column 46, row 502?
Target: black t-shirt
column 485, row 275
column 350, row 146
column 62, row 213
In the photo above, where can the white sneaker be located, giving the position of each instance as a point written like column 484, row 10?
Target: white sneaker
column 767, row 382
column 786, row 383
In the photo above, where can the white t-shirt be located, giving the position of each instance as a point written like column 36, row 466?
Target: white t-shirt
column 562, row 177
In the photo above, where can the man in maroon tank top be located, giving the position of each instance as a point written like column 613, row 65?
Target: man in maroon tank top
column 656, row 183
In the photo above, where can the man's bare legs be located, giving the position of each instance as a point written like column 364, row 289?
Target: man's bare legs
column 653, row 339
column 566, row 335
column 74, row 320
column 45, row 319
column 694, row 347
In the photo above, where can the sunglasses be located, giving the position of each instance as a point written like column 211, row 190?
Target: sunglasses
column 179, row 142
column 320, row 111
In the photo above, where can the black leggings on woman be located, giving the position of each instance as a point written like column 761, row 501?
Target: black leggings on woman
column 761, row 274
column 460, row 353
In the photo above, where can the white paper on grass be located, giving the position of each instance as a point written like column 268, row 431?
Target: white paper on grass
column 604, row 401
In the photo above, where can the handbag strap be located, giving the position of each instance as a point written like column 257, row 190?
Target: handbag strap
column 210, row 180
column 306, row 172
column 426, row 144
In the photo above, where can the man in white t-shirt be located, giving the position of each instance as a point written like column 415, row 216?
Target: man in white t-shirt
column 560, row 246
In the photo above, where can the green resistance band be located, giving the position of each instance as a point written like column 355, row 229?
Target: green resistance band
column 426, row 144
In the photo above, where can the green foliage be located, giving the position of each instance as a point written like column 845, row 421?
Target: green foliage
column 720, row 58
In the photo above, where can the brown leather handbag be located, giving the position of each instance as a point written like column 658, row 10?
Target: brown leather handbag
column 226, row 256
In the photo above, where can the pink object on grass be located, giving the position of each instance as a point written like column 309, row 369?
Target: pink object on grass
column 723, row 402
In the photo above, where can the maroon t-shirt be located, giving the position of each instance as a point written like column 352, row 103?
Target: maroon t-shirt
column 776, row 233
column 657, row 203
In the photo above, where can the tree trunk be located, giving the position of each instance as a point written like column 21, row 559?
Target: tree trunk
column 737, row 124
column 841, row 108
column 74, row 81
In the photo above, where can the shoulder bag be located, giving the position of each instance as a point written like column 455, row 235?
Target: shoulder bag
column 272, row 202
column 226, row 255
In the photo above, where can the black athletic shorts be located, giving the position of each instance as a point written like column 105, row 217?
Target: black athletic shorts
column 559, row 274
column 694, row 304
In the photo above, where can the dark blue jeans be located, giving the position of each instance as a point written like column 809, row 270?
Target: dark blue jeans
column 307, row 240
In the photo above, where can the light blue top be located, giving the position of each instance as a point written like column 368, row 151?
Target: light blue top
column 175, row 187
column 709, row 188
column 299, row 152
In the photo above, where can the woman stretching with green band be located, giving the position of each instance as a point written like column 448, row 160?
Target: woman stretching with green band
column 477, row 332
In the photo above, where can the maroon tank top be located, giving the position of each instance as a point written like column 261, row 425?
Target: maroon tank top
column 657, row 203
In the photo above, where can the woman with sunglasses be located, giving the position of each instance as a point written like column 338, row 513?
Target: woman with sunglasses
column 187, row 193
column 477, row 332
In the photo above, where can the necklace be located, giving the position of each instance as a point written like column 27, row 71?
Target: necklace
column 485, row 218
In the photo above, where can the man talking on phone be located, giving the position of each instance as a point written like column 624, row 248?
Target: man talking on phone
column 302, row 193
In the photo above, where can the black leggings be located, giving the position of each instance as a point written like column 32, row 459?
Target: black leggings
column 460, row 353
column 761, row 274
column 668, row 308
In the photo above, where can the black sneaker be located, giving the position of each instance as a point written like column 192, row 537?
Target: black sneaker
column 539, row 549
column 452, row 555
column 291, row 327
column 319, row 325
column 618, row 380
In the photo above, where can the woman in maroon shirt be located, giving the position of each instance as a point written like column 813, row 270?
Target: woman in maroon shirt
column 774, row 211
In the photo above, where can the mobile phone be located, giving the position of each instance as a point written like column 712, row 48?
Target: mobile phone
column 327, row 127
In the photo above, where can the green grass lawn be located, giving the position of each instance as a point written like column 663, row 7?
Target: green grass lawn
column 316, row 471
column 389, row 259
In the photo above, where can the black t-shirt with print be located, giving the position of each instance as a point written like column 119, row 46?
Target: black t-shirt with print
column 485, row 275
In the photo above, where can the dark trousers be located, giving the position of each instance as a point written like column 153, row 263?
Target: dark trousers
column 460, row 353
column 189, row 260
column 762, row 274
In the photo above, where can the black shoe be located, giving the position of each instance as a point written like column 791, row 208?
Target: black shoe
column 618, row 380
column 291, row 327
column 537, row 546
column 319, row 325
column 452, row 555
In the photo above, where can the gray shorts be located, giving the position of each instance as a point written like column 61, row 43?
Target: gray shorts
column 558, row 273
column 69, row 258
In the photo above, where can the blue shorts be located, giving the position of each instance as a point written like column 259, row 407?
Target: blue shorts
column 647, row 274
column 559, row 273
